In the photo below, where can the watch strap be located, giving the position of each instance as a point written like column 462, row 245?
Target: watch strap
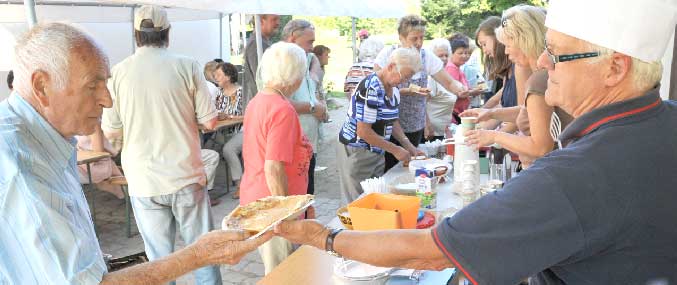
column 329, row 245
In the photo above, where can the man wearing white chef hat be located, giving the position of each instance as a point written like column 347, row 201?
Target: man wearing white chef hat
column 598, row 211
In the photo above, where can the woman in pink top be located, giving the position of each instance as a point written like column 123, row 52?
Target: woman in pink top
column 460, row 53
column 276, row 153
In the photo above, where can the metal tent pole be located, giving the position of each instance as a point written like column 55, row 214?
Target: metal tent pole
column 259, row 43
column 673, row 71
column 354, row 40
column 31, row 19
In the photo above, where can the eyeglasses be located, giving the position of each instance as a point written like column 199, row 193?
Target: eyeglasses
column 568, row 57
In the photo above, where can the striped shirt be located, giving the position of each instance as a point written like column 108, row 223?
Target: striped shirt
column 369, row 104
column 230, row 105
column 46, row 231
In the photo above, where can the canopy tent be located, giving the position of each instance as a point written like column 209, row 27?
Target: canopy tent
column 109, row 21
column 194, row 33
column 103, row 11
column 354, row 8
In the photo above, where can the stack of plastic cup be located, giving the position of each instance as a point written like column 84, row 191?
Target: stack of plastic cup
column 470, row 185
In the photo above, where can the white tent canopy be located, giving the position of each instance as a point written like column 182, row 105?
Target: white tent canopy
column 354, row 8
column 197, row 25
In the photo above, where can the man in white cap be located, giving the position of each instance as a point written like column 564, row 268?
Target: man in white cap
column 600, row 210
column 159, row 101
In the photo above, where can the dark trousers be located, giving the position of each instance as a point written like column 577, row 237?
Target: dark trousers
column 414, row 138
column 311, row 176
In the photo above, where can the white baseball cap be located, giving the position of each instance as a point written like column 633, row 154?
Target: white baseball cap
column 637, row 28
column 156, row 14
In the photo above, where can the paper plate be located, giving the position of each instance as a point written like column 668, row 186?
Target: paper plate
column 293, row 215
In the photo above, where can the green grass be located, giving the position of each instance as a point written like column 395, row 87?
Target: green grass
column 340, row 60
column 336, row 94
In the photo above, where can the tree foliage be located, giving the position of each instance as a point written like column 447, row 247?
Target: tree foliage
column 446, row 17
column 344, row 25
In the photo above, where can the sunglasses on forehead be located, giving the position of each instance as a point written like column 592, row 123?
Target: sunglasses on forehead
column 417, row 22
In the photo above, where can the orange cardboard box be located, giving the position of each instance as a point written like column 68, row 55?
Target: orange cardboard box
column 378, row 211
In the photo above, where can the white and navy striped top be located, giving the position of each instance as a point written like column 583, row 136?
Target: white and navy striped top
column 46, row 231
column 369, row 104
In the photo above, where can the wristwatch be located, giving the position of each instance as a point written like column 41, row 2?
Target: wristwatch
column 312, row 109
column 329, row 245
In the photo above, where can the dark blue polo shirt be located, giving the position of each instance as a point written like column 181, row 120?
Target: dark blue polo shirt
column 603, row 210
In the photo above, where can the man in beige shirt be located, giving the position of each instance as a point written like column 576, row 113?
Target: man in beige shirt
column 160, row 99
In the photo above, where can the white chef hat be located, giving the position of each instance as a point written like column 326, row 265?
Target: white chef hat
column 637, row 28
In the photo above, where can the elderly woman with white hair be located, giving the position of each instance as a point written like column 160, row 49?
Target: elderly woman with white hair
column 369, row 49
column 276, row 153
column 411, row 30
column 372, row 119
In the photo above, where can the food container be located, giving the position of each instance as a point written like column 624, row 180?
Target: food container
column 378, row 211
column 433, row 164
column 344, row 217
column 405, row 184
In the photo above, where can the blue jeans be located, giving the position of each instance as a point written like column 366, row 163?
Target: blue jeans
column 158, row 218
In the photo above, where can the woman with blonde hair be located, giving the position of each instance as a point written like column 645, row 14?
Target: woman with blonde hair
column 523, row 33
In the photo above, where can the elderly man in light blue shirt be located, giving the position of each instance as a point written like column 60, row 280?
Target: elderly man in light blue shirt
column 46, row 231
column 311, row 111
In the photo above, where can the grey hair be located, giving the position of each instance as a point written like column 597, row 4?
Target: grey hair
column 369, row 49
column 283, row 64
column 46, row 47
column 439, row 43
column 645, row 75
column 295, row 27
column 406, row 57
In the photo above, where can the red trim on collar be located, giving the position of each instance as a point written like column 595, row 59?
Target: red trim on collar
column 618, row 116
column 451, row 257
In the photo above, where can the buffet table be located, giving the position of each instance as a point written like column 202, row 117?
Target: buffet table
column 309, row 266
